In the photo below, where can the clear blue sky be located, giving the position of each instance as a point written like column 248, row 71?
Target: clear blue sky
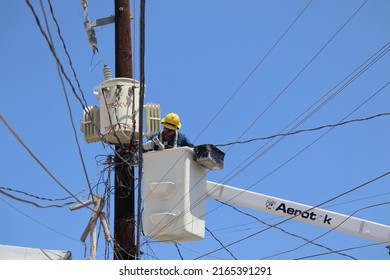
column 233, row 71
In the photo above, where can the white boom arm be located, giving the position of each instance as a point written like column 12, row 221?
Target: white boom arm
column 300, row 212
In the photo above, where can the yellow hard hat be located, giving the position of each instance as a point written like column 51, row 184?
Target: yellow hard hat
column 171, row 121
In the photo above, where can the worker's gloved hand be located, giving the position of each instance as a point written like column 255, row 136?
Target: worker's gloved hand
column 157, row 142
column 148, row 146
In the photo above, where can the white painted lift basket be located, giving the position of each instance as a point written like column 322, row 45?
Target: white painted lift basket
column 174, row 195
column 119, row 106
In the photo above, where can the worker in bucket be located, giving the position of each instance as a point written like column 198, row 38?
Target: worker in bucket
column 169, row 137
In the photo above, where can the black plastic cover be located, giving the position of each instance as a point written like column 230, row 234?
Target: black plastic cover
column 209, row 156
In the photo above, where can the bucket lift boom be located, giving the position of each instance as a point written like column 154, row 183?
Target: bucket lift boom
column 300, row 212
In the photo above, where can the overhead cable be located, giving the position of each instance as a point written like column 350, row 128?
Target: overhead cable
column 34, row 203
column 306, row 130
column 340, row 250
column 51, row 47
column 36, row 158
column 255, row 68
column 302, row 70
column 284, row 231
column 34, row 196
column 38, row 222
column 64, row 89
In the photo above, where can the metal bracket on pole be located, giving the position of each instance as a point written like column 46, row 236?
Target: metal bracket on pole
column 99, row 22
column 90, row 24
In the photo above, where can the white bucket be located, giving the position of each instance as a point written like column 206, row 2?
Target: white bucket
column 174, row 196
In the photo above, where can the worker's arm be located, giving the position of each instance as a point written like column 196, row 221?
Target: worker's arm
column 183, row 141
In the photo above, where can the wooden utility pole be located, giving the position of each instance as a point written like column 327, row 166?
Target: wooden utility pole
column 124, row 224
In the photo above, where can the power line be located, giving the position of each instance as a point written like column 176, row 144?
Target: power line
column 255, row 68
column 63, row 87
column 38, row 222
column 61, row 71
column 140, row 136
column 300, row 152
column 36, row 158
column 340, row 250
column 66, row 50
column 34, row 203
column 178, row 250
column 302, row 70
column 348, row 80
column 305, row 130
column 220, row 243
column 51, row 47
column 283, row 230
column 82, row 100
column 34, row 196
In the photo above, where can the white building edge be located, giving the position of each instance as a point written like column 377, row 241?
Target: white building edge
column 24, row 253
